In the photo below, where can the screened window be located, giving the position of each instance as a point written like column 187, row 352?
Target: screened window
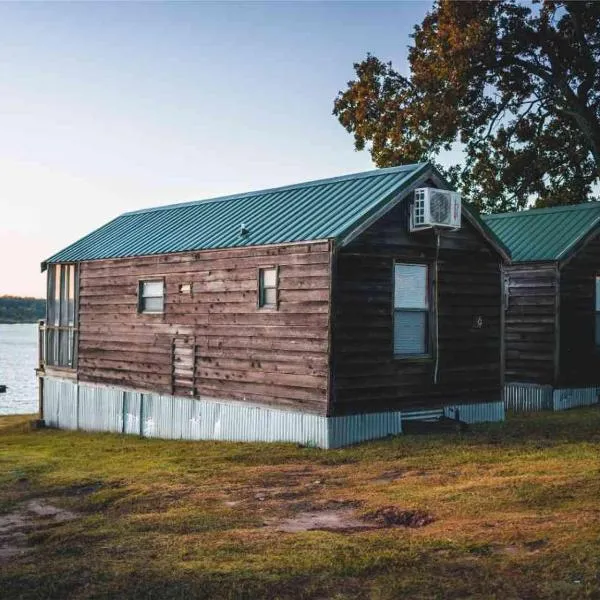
column 151, row 296
column 61, row 316
column 411, row 310
column 267, row 287
column 597, row 312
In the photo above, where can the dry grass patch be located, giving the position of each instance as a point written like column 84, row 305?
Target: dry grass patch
column 508, row 510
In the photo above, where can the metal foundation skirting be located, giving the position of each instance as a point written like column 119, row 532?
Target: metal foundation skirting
column 529, row 397
column 483, row 412
column 70, row 405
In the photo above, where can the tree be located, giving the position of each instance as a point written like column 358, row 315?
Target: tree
column 517, row 86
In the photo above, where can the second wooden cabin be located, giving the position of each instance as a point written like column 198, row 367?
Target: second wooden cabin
column 552, row 302
column 323, row 313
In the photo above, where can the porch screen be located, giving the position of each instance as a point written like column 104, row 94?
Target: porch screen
column 61, row 316
column 597, row 312
column 411, row 309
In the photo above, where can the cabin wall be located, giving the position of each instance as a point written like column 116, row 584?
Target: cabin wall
column 579, row 355
column 366, row 375
column 531, row 296
column 215, row 342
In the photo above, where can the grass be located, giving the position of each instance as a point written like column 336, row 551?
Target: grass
column 516, row 507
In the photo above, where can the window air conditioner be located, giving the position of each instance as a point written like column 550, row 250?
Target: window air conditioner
column 435, row 208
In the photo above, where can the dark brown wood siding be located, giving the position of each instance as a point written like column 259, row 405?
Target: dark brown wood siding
column 214, row 342
column 530, row 322
column 366, row 375
column 579, row 356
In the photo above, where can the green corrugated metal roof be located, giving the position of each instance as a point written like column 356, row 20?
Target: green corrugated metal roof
column 544, row 233
column 315, row 210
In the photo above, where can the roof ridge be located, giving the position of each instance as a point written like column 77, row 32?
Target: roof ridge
column 549, row 209
column 312, row 183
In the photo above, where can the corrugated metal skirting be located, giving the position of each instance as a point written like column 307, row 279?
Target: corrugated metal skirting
column 352, row 429
column 562, row 399
column 484, row 412
column 70, row 405
column 528, row 397
column 60, row 403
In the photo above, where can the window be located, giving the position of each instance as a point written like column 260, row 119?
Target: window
column 411, row 310
column 267, row 287
column 597, row 312
column 151, row 297
column 61, row 316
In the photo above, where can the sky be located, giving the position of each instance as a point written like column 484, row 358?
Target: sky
column 111, row 107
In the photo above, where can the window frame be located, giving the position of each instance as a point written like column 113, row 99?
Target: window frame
column 140, row 298
column 430, row 311
column 260, row 287
column 62, row 316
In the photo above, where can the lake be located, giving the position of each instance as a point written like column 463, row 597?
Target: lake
column 18, row 359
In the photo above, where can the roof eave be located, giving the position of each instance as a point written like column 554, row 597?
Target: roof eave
column 427, row 171
column 569, row 253
column 419, row 176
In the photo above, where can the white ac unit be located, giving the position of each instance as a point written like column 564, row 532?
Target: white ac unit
column 435, row 208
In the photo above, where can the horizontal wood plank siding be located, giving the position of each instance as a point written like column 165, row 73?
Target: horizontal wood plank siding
column 214, row 341
column 367, row 377
column 530, row 323
column 579, row 356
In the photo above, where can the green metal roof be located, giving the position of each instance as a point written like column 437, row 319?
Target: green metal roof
column 544, row 234
column 315, row 210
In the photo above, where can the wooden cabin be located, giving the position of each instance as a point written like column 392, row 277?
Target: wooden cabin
column 552, row 291
column 308, row 313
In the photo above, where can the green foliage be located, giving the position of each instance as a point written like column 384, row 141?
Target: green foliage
column 516, row 85
column 14, row 309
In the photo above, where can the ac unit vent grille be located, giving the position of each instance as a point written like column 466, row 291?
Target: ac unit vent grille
column 440, row 207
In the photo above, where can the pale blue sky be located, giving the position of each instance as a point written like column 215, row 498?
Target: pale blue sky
column 110, row 107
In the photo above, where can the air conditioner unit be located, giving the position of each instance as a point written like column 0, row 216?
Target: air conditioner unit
column 435, row 208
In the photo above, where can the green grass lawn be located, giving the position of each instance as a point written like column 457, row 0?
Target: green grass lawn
column 516, row 509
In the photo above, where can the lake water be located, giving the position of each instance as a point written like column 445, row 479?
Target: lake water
column 18, row 359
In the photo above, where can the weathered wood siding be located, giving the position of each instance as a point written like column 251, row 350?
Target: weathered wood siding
column 366, row 375
column 214, row 342
column 579, row 356
column 531, row 322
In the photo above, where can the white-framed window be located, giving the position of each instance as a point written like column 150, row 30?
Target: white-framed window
column 597, row 311
column 151, row 296
column 411, row 309
column 267, row 287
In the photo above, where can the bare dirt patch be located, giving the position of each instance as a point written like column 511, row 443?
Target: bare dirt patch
column 392, row 516
column 28, row 517
column 346, row 519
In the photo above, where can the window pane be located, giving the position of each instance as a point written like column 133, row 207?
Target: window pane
column 598, row 294
column 152, row 305
column 57, row 271
column 50, row 295
column 269, row 277
column 50, row 353
column 63, row 348
column 152, row 288
column 410, row 330
column 64, row 290
column 270, row 297
column 71, row 306
column 410, row 286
